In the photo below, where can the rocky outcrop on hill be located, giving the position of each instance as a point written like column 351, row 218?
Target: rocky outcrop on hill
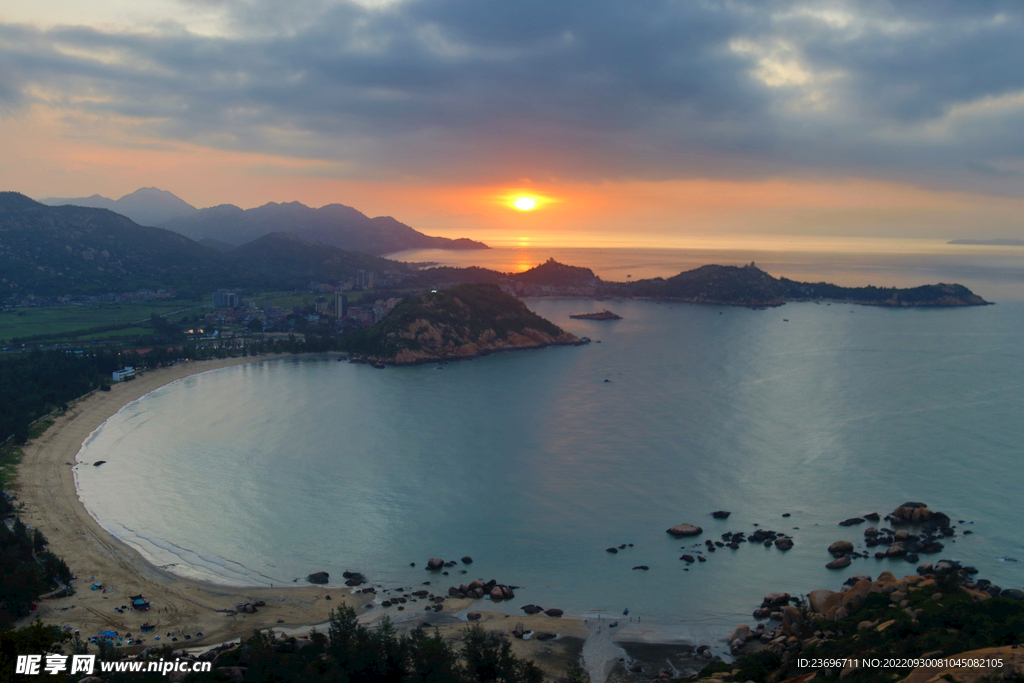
column 939, row 614
column 464, row 321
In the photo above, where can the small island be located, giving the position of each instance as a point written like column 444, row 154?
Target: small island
column 600, row 315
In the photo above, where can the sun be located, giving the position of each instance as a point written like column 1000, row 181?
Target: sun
column 525, row 203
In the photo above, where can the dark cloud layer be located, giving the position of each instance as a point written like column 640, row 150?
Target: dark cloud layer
column 926, row 91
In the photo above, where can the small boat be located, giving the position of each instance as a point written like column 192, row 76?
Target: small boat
column 625, row 611
column 613, row 624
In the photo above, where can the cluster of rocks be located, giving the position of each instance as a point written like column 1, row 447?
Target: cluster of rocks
column 477, row 589
column 537, row 609
column 352, row 579
column 436, row 564
column 521, row 632
column 900, row 543
column 414, row 596
column 773, row 606
column 765, row 537
column 614, row 550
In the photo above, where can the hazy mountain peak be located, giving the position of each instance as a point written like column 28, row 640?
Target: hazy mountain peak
column 145, row 206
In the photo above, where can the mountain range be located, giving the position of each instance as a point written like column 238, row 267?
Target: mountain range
column 226, row 226
column 53, row 250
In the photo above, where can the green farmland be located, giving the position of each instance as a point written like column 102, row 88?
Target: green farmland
column 56, row 322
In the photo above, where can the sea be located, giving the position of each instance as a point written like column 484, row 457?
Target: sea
column 535, row 463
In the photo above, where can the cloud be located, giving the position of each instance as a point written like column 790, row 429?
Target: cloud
column 924, row 92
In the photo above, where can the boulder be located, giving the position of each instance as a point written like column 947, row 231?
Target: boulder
column 851, row 521
column 476, row 583
column 739, row 633
column 553, row 612
column 642, row 566
column 721, row 514
column 611, row 550
column 839, row 563
column 776, row 599
column 688, row 559
column 318, row 577
column 681, row 530
column 840, row 548
column 473, row 616
column 818, row 598
column 496, row 593
column 532, row 609
column 896, row 550
column 435, row 563
column 467, row 560
column 784, row 543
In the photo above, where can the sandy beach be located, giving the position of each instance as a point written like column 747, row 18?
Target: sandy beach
column 45, row 489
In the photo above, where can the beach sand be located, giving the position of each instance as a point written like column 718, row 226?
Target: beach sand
column 45, row 489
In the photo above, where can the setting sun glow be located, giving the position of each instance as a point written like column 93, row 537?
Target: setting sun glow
column 525, row 203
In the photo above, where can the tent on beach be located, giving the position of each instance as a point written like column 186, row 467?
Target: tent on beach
column 139, row 602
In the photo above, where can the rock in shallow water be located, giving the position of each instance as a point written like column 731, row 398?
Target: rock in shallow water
column 680, row 530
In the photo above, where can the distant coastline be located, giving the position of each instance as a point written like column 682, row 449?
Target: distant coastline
column 999, row 242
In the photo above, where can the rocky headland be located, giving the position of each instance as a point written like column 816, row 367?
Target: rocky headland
column 464, row 321
column 918, row 628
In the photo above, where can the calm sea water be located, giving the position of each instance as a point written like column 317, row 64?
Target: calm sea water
column 533, row 464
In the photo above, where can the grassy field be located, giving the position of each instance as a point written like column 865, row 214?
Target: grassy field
column 60, row 320
column 9, row 457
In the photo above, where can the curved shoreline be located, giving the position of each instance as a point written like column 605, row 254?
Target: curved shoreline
column 45, row 488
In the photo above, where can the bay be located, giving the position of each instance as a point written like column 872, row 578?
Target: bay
column 533, row 464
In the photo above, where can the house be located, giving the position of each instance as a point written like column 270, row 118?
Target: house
column 125, row 374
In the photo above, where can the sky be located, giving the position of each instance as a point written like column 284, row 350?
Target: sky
column 641, row 122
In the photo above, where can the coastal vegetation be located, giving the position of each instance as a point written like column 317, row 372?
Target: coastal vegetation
column 27, row 570
column 350, row 652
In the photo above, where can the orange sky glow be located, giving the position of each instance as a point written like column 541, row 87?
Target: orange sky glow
column 52, row 150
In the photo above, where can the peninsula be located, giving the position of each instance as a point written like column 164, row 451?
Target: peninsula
column 712, row 284
column 463, row 321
